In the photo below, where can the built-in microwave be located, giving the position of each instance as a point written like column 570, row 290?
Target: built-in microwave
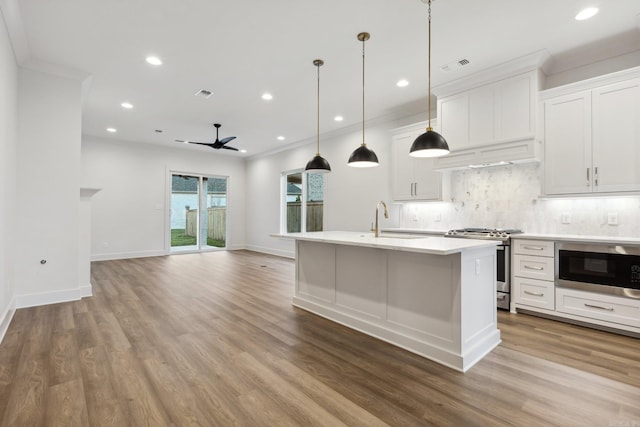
column 611, row 269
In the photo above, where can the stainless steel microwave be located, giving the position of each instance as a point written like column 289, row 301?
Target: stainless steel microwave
column 611, row 269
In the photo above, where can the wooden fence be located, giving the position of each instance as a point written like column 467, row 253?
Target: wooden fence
column 314, row 216
column 216, row 223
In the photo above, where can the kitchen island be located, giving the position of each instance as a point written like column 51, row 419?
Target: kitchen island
column 433, row 296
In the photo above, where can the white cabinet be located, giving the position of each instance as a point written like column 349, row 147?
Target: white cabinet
column 599, row 308
column 492, row 113
column 413, row 178
column 533, row 274
column 592, row 140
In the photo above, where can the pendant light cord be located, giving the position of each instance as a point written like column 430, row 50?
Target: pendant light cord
column 318, row 118
column 363, row 40
column 429, row 128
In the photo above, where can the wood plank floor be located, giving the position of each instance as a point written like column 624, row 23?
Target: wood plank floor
column 212, row 340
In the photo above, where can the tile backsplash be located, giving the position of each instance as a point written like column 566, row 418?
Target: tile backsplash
column 509, row 197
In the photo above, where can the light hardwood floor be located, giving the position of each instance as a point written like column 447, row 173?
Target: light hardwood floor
column 212, row 340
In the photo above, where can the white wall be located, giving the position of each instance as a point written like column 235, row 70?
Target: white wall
column 351, row 193
column 129, row 215
column 8, row 147
column 49, row 127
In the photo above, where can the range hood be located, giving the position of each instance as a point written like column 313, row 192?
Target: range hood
column 522, row 151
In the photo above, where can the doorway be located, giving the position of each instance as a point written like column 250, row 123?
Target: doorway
column 198, row 213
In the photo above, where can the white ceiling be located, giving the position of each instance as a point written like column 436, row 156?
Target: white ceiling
column 241, row 49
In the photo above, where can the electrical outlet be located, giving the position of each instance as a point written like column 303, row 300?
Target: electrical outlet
column 438, row 217
column 105, row 244
column 565, row 218
column 612, row 218
column 414, row 218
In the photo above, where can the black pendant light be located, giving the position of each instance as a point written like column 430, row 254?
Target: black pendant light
column 363, row 157
column 318, row 164
column 430, row 143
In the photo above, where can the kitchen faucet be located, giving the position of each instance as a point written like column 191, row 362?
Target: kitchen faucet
column 376, row 229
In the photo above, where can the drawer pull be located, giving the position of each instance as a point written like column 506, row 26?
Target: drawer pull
column 534, row 248
column 528, row 267
column 501, row 297
column 598, row 307
column 535, row 294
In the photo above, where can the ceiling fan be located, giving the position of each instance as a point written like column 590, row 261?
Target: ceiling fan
column 218, row 143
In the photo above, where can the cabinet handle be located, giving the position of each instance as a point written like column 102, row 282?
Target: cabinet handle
column 534, row 248
column 595, row 175
column 588, row 180
column 415, row 188
column 412, row 193
column 535, row 294
column 501, row 297
column 528, row 267
column 598, row 307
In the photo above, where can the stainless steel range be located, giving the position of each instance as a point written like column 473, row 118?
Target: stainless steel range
column 503, row 271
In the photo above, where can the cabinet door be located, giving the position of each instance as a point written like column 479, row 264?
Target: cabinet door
column 514, row 107
column 567, row 144
column 616, row 137
column 427, row 182
column 402, row 172
column 482, row 115
column 453, row 118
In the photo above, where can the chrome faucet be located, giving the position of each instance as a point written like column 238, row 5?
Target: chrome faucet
column 376, row 229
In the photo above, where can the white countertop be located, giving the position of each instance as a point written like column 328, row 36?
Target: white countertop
column 428, row 244
column 579, row 238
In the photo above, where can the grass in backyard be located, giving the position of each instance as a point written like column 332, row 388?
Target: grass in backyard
column 178, row 238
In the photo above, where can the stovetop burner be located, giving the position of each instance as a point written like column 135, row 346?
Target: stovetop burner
column 483, row 233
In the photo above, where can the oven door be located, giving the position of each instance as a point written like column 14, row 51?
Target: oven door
column 503, row 286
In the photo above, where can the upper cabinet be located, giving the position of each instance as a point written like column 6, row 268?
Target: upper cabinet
column 503, row 111
column 490, row 117
column 592, row 136
column 413, row 178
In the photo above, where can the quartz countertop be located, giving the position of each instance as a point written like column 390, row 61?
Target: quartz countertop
column 579, row 238
column 428, row 244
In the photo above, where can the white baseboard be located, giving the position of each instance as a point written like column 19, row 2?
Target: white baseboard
column 44, row 298
column 5, row 319
column 271, row 251
column 126, row 255
column 86, row 291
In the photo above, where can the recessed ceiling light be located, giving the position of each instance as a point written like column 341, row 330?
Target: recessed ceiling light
column 281, row 138
column 127, row 105
column 338, row 118
column 112, row 130
column 243, row 151
column 586, row 13
column 267, row 96
column 402, row 83
column 154, row 60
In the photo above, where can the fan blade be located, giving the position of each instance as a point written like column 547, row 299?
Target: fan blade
column 229, row 148
column 227, row 139
column 208, row 144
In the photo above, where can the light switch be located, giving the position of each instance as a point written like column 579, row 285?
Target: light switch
column 612, row 218
column 565, row 218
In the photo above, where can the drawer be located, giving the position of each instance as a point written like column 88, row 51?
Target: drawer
column 533, row 267
column 609, row 308
column 533, row 247
column 535, row 293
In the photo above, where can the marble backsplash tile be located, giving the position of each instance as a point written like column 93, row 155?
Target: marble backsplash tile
column 508, row 197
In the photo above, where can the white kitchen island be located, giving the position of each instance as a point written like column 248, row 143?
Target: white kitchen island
column 433, row 296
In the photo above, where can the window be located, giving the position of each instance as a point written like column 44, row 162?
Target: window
column 303, row 201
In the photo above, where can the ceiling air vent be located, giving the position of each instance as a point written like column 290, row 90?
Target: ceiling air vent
column 203, row 93
column 456, row 65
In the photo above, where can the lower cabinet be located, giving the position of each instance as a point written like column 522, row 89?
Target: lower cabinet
column 533, row 278
column 608, row 308
column 534, row 290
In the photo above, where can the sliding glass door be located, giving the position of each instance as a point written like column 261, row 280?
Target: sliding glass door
column 198, row 212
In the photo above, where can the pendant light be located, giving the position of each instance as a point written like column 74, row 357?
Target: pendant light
column 430, row 143
column 363, row 157
column 318, row 164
